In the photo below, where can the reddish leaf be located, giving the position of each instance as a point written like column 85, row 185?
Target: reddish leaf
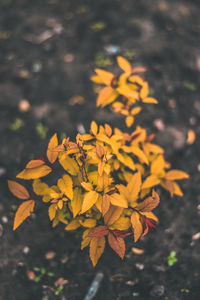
column 18, row 190
column 117, row 244
column 99, row 231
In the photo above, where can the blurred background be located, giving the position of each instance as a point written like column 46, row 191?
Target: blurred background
column 48, row 51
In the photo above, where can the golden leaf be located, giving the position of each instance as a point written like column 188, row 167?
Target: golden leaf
column 23, row 212
column 112, row 215
column 149, row 100
column 140, row 154
column 18, row 190
column 52, row 211
column 157, row 166
column 176, row 175
column 87, row 186
column 118, row 200
column 89, row 200
column 129, row 121
column 137, row 226
column 51, row 154
column 89, row 223
column 144, row 90
column 123, row 223
column 73, row 225
column 68, row 163
column 40, row 188
column 150, row 181
column 93, row 128
column 76, row 202
column 97, row 245
column 34, row 173
column 105, row 76
column 124, row 64
column 106, row 96
column 66, row 186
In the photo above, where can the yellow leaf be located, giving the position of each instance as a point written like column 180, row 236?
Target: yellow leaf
column 73, row 225
column 126, row 91
column 34, row 173
column 87, row 186
column 136, row 110
column 149, row 100
column 105, row 76
column 123, row 223
column 152, row 148
column 89, row 200
column 137, row 226
column 60, row 204
column 140, row 154
column 177, row 189
column 85, row 239
column 51, row 154
column 191, row 137
column 18, row 190
column 97, row 245
column 66, row 186
column 99, row 202
column 76, row 203
column 106, row 96
column 96, row 79
column 23, row 212
column 103, row 181
column 105, row 204
column 101, row 167
column 150, row 181
column 176, row 175
column 124, row 64
column 118, row 200
column 144, row 90
column 108, row 130
column 149, row 215
column 68, row 163
column 103, row 138
column 157, row 166
column 129, row 121
column 128, row 162
column 40, row 188
column 93, row 128
column 134, row 187
column 112, row 215
column 136, row 79
column 52, row 211
column 89, row 223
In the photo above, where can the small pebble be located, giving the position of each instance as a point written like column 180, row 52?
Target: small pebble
column 159, row 124
column 159, row 268
column 64, row 259
column 139, row 266
column 24, row 105
column 26, row 250
column 50, row 255
column 135, row 294
column 4, row 219
column 196, row 236
column 68, row 58
column 157, row 291
column 2, row 171
column 198, row 167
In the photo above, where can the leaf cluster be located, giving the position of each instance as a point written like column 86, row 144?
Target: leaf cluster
column 104, row 181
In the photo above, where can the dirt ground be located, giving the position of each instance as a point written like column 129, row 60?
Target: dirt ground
column 48, row 51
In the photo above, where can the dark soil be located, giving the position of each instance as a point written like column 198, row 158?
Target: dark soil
column 48, row 50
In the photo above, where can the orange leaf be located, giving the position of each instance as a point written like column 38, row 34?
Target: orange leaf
column 34, row 173
column 108, row 130
column 117, row 244
column 137, row 226
column 105, row 204
column 139, row 70
column 149, row 203
column 94, row 128
column 112, row 215
column 124, row 64
column 97, row 245
column 100, row 151
column 18, row 190
column 176, row 175
column 106, row 96
column 99, row 231
column 149, row 100
column 129, row 121
column 35, row 163
column 144, row 90
column 118, row 200
column 52, row 155
column 23, row 212
column 105, row 76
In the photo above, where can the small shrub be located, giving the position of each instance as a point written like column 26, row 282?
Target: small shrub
column 107, row 177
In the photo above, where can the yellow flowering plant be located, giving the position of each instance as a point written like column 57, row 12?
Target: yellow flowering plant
column 108, row 177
